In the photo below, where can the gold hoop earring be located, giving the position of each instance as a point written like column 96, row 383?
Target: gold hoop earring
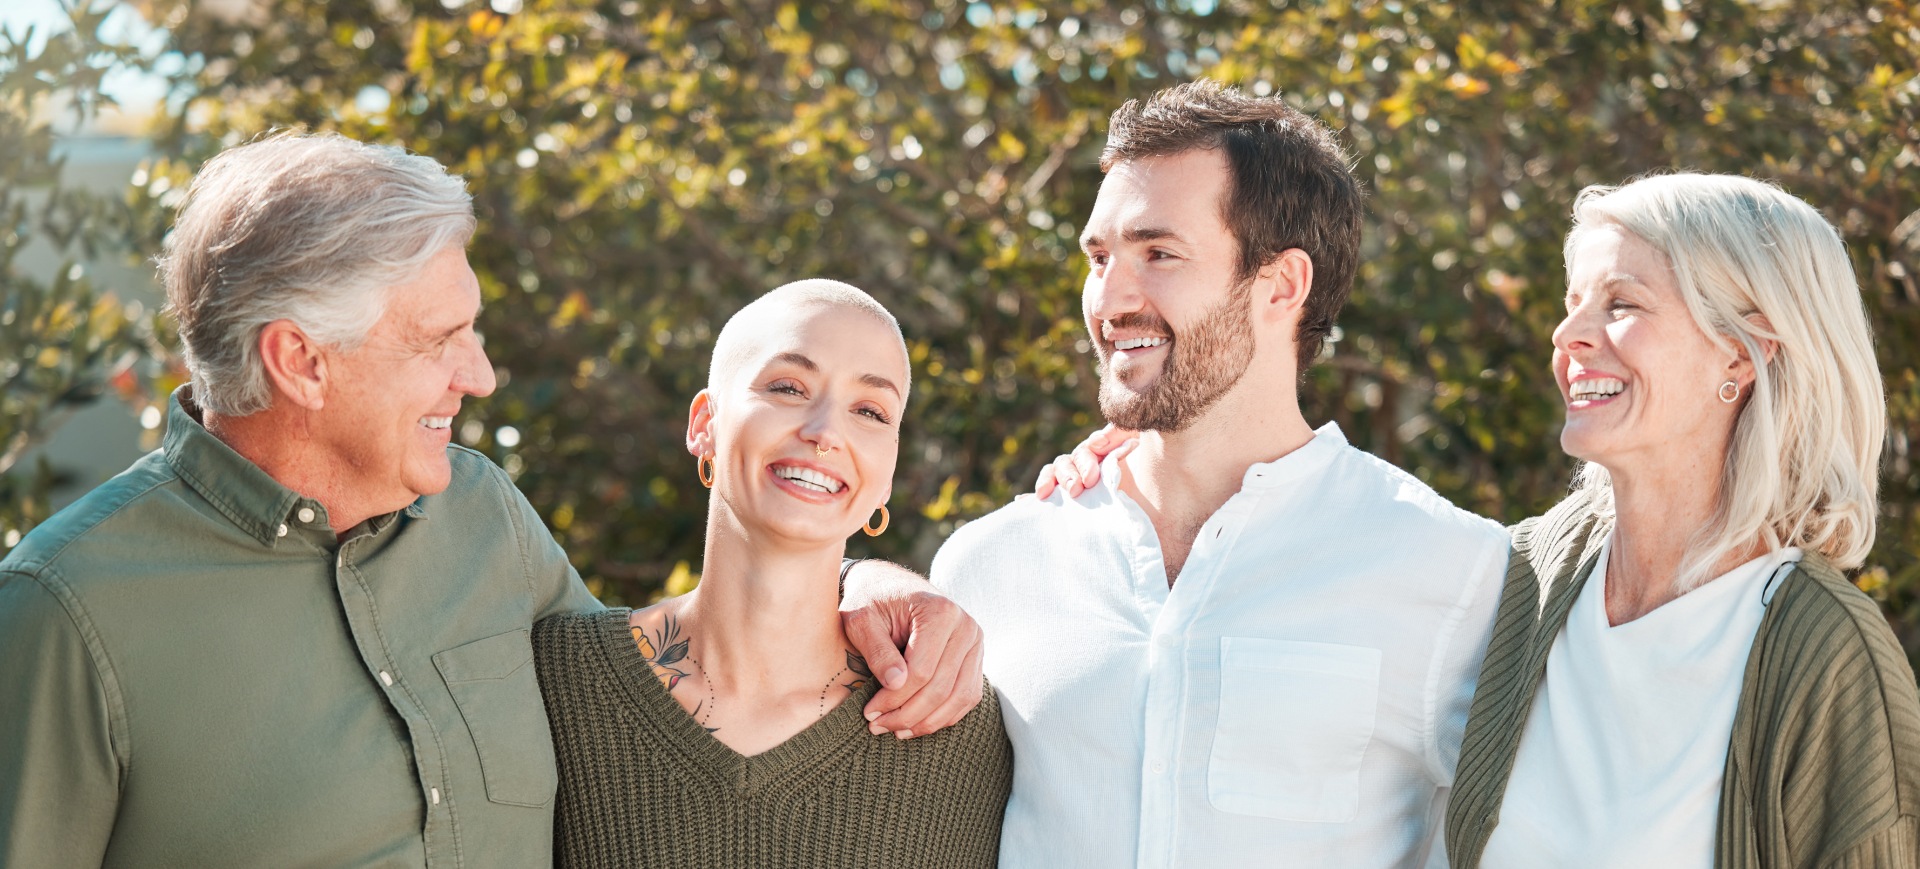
column 704, row 465
column 1729, row 385
column 876, row 532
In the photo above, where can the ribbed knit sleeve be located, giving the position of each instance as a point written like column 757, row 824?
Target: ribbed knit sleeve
column 641, row 785
column 1824, row 766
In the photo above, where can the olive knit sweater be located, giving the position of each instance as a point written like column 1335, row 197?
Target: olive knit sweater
column 642, row 784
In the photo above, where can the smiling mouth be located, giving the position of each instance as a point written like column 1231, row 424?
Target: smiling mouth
column 1595, row 389
column 1139, row 343
column 808, row 478
column 436, row 422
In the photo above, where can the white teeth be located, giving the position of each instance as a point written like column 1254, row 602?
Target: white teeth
column 436, row 421
column 1599, row 387
column 809, row 478
column 1137, row 343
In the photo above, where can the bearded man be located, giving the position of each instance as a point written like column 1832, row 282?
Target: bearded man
column 1250, row 644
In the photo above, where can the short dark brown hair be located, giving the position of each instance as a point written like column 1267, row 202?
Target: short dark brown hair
column 1292, row 184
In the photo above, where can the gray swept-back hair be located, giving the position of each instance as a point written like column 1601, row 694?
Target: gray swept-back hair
column 309, row 228
column 1756, row 264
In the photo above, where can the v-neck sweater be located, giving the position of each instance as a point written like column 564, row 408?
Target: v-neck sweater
column 642, row 784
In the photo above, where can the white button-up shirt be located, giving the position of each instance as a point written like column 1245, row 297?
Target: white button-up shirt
column 1297, row 699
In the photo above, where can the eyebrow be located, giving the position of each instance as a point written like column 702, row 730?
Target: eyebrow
column 1133, row 235
column 796, row 359
column 800, row 361
column 878, row 382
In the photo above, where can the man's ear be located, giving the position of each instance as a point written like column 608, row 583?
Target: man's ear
column 700, row 425
column 1280, row 289
column 294, row 363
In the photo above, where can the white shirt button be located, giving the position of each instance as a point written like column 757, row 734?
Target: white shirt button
column 1159, row 767
column 1167, row 640
column 281, row 531
column 434, row 794
column 386, row 678
column 306, row 514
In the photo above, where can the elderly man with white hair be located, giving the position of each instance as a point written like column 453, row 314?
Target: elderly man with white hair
column 298, row 633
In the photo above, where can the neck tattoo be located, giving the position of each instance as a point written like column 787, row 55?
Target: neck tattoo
column 828, row 687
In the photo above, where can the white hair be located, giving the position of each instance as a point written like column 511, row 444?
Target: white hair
column 309, row 228
column 735, row 344
column 1755, row 264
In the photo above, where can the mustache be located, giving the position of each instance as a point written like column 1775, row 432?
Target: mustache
column 1140, row 320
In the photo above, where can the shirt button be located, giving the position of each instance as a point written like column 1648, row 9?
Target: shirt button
column 306, row 514
column 1159, row 767
column 281, row 531
column 434, row 793
column 386, row 678
column 1166, row 639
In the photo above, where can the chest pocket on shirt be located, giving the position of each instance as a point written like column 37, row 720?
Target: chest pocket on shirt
column 1295, row 720
column 492, row 683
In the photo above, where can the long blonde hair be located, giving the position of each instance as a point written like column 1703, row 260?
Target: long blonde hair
column 1755, row 264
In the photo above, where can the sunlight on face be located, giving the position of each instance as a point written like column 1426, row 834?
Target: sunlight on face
column 391, row 401
column 805, row 434
column 1639, row 377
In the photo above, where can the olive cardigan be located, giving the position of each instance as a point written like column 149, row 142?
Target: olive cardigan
column 1824, row 764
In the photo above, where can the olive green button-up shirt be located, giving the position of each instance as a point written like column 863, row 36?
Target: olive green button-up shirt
column 195, row 672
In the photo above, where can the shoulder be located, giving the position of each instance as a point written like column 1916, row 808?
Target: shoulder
column 1006, row 531
column 977, row 741
column 562, row 636
column 1819, row 612
column 475, row 476
column 1574, row 516
column 1401, row 503
column 127, row 497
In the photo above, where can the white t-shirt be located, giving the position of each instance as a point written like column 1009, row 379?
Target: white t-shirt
column 1622, row 757
column 1297, row 699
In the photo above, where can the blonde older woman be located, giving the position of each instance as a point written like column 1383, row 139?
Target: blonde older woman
column 1679, row 674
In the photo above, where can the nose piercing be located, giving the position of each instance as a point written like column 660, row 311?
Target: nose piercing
column 819, row 450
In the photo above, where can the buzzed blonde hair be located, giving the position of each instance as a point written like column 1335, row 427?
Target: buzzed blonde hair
column 1756, row 264
column 734, row 346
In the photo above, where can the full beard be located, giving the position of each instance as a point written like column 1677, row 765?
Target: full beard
column 1203, row 363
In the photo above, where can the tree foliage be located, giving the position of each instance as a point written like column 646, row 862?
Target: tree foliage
column 641, row 170
column 61, row 342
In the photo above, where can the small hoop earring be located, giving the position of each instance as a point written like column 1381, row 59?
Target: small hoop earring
column 875, row 532
column 1727, row 397
column 704, row 465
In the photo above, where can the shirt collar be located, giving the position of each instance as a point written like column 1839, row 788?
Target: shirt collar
column 1327, row 443
column 1313, row 455
column 248, row 496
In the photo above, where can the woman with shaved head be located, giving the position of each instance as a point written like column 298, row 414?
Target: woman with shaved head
column 723, row 727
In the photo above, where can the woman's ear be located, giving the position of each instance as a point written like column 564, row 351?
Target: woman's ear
column 700, row 425
column 1740, row 368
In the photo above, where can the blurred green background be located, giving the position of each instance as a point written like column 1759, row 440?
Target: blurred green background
column 642, row 169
